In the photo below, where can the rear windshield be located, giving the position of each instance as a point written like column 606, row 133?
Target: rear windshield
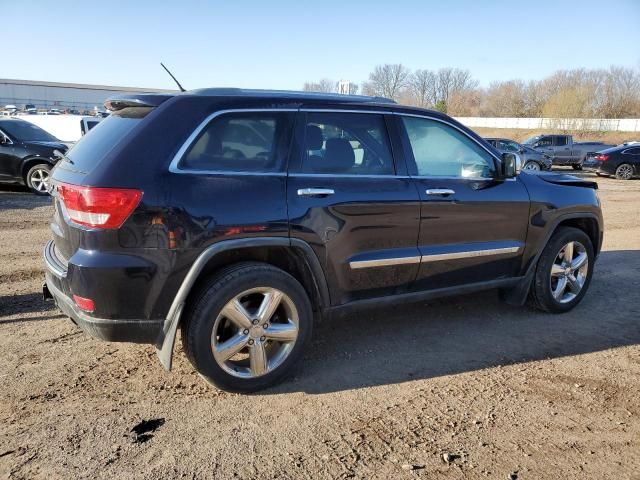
column 99, row 141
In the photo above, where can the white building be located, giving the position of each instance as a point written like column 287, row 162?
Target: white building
column 72, row 96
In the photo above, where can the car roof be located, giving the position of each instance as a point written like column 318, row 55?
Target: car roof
column 318, row 100
column 288, row 94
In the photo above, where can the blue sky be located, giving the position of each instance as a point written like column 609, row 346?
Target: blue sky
column 280, row 44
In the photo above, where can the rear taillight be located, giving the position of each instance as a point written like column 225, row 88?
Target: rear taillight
column 85, row 304
column 99, row 207
column 601, row 158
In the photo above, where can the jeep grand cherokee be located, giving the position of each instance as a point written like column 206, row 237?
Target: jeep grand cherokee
column 239, row 216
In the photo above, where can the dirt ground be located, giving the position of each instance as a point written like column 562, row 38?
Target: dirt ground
column 461, row 388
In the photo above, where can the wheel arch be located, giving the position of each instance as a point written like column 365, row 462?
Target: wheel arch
column 585, row 221
column 294, row 256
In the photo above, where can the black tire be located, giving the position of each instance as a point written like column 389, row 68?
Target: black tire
column 577, row 166
column 624, row 171
column 32, row 179
column 540, row 295
column 199, row 319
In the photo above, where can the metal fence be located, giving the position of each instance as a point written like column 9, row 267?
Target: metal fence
column 587, row 124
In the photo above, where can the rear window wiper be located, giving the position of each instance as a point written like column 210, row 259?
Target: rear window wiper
column 61, row 155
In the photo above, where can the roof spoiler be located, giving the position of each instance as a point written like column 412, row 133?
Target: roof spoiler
column 141, row 100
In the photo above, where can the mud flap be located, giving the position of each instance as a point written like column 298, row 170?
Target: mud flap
column 164, row 350
column 517, row 295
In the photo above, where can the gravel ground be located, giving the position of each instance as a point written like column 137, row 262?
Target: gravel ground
column 461, row 388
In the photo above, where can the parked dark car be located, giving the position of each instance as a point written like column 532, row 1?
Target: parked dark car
column 531, row 159
column 622, row 161
column 27, row 154
column 563, row 150
column 250, row 213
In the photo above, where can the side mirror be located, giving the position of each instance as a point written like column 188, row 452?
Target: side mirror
column 511, row 165
column 4, row 140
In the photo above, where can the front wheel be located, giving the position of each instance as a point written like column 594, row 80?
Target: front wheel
column 247, row 327
column 563, row 272
column 532, row 166
column 38, row 178
column 624, row 172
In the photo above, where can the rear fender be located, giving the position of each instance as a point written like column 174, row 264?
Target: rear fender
column 166, row 340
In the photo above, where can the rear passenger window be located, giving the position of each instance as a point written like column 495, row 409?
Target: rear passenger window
column 347, row 143
column 560, row 141
column 632, row 151
column 238, row 142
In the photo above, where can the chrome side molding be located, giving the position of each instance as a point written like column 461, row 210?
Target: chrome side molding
column 389, row 262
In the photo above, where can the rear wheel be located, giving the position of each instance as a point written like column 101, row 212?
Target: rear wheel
column 563, row 272
column 624, row 172
column 532, row 166
column 38, row 178
column 248, row 327
column 577, row 166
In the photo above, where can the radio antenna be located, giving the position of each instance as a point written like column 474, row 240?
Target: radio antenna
column 174, row 78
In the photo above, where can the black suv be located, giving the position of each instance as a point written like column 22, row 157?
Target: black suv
column 27, row 154
column 240, row 216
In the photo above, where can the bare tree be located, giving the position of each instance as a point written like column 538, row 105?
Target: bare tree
column 324, row 86
column 423, row 88
column 451, row 81
column 387, row 81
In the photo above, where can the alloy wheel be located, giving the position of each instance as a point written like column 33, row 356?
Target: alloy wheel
column 533, row 166
column 569, row 272
column 255, row 332
column 39, row 179
column 624, row 171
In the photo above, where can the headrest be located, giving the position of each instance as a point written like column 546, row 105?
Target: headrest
column 314, row 137
column 338, row 157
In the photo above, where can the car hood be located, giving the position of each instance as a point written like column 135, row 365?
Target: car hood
column 564, row 179
column 53, row 145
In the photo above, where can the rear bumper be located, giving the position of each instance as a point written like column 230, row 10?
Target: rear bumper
column 136, row 331
column 109, row 329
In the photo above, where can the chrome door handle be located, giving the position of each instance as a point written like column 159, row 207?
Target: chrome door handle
column 315, row 192
column 439, row 191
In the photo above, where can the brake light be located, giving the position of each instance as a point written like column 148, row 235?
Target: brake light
column 601, row 158
column 99, row 207
column 85, row 304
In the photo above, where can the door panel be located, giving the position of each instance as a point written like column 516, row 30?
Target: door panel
column 476, row 234
column 472, row 227
column 366, row 220
column 362, row 224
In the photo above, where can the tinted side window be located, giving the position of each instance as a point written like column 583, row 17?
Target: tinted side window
column 560, row 141
column 442, row 151
column 544, row 142
column 347, row 143
column 632, row 151
column 238, row 142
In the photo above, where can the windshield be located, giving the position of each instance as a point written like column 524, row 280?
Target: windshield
column 26, row 132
